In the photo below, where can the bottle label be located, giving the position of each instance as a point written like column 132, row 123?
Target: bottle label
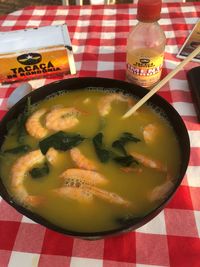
column 143, row 68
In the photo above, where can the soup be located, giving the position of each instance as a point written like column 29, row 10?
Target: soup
column 73, row 160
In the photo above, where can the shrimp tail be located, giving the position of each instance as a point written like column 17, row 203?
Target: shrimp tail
column 34, row 201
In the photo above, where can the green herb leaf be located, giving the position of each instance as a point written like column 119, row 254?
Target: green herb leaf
column 102, row 153
column 60, row 141
column 39, row 172
column 123, row 140
column 10, row 124
column 129, row 137
column 18, row 150
column 125, row 161
column 21, row 120
column 119, row 146
column 21, row 128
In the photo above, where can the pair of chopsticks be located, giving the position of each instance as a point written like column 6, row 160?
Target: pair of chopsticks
column 161, row 83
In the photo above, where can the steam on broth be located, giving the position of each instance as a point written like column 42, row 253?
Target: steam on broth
column 74, row 161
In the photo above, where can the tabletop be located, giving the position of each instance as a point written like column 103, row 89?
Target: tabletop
column 98, row 34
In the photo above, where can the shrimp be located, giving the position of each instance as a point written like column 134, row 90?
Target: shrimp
column 160, row 192
column 62, row 118
column 104, row 104
column 83, row 192
column 148, row 162
column 84, row 176
column 34, row 126
column 81, row 161
column 18, row 175
column 110, row 197
column 149, row 133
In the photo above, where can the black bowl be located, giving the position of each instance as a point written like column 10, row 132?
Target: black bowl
column 105, row 84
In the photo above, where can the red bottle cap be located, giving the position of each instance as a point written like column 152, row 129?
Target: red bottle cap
column 148, row 10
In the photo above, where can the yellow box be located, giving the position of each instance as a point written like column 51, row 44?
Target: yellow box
column 50, row 54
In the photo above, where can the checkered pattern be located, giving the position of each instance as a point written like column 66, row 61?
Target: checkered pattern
column 98, row 35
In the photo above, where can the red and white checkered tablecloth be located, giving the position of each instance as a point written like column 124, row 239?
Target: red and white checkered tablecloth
column 98, row 35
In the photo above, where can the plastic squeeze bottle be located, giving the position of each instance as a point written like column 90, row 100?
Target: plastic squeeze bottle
column 146, row 45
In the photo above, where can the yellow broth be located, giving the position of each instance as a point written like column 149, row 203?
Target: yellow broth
column 133, row 186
